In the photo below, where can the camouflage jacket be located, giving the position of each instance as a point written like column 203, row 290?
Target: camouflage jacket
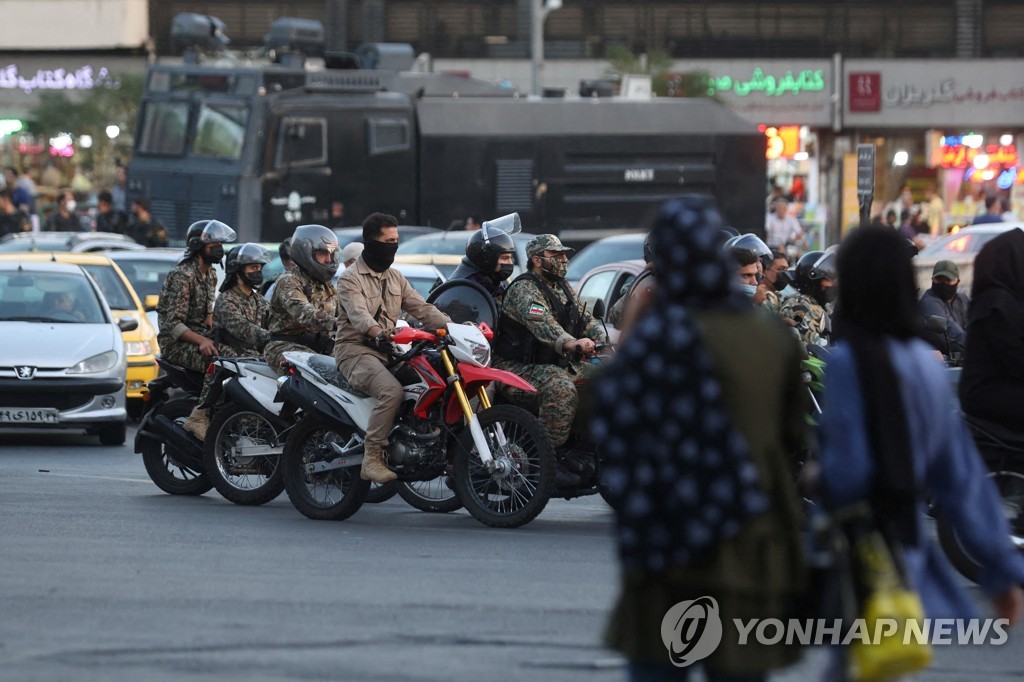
column 240, row 323
column 526, row 304
column 813, row 322
column 186, row 302
column 772, row 302
column 301, row 305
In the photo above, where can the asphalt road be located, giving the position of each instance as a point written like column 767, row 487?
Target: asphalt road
column 104, row 577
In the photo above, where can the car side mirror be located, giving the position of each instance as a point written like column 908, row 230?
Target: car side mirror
column 936, row 323
column 127, row 324
column 151, row 302
column 598, row 311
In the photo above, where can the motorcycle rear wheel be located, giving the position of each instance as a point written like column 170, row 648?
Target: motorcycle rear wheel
column 516, row 497
column 433, row 496
column 1009, row 481
column 164, row 469
column 243, row 480
column 329, row 496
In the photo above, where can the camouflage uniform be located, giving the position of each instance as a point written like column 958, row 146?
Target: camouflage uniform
column 300, row 305
column 556, row 399
column 813, row 321
column 772, row 302
column 186, row 304
column 240, row 323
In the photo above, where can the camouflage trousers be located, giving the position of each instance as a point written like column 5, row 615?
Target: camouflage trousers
column 187, row 355
column 274, row 352
column 556, row 401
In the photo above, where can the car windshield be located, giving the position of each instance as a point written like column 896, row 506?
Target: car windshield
column 147, row 276
column 451, row 246
column 962, row 242
column 423, row 285
column 113, row 287
column 48, row 297
column 600, row 253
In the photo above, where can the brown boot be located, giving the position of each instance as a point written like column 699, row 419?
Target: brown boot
column 374, row 465
column 197, row 423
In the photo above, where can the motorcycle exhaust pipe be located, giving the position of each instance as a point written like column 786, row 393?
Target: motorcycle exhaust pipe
column 189, row 448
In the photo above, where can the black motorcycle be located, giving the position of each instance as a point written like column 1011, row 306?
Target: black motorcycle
column 173, row 457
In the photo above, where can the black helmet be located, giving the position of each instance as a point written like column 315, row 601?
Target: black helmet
column 203, row 232
column 310, row 238
column 648, row 249
column 825, row 266
column 493, row 238
column 751, row 242
column 284, row 250
column 802, row 273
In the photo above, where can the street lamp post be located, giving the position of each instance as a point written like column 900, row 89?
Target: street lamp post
column 539, row 10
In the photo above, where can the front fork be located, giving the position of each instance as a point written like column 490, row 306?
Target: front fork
column 474, row 424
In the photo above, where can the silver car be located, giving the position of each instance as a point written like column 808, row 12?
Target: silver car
column 62, row 356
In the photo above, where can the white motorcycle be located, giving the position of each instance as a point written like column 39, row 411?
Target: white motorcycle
column 500, row 458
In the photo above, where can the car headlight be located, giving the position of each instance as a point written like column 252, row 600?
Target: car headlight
column 138, row 347
column 97, row 363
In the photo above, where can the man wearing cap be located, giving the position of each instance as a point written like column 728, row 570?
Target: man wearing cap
column 942, row 299
column 351, row 253
column 543, row 335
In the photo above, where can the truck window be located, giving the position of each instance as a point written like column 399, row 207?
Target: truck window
column 220, row 130
column 163, row 128
column 388, row 135
column 302, row 142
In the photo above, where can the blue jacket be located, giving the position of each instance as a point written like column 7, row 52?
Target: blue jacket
column 948, row 468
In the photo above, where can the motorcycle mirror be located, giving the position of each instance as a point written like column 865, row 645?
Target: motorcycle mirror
column 936, row 323
column 599, row 311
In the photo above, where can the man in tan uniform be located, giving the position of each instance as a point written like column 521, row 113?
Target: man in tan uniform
column 372, row 298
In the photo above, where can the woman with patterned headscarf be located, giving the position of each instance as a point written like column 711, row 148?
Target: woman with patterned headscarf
column 698, row 416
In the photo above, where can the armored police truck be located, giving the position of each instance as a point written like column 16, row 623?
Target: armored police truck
column 272, row 146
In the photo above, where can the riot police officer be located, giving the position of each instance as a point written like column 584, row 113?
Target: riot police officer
column 810, row 309
column 185, row 311
column 240, row 313
column 489, row 261
column 304, row 305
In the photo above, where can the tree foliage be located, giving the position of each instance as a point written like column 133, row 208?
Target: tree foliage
column 657, row 65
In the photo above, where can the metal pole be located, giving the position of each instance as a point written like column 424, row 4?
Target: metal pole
column 536, row 44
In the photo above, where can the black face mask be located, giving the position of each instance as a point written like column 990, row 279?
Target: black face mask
column 826, row 295
column 215, row 256
column 782, row 280
column 504, row 272
column 379, row 255
column 944, row 290
column 253, row 279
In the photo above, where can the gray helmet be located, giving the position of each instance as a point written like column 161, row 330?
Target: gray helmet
column 203, row 232
column 245, row 254
column 310, row 238
column 751, row 242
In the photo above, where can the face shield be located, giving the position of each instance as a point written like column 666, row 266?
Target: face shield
column 507, row 224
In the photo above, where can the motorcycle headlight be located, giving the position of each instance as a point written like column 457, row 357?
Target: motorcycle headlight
column 97, row 363
column 138, row 348
column 481, row 352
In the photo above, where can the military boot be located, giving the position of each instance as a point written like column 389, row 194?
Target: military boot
column 375, row 466
column 197, row 423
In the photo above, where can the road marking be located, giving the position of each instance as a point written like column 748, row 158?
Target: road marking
column 104, row 478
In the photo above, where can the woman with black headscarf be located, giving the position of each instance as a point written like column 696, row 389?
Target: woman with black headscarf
column 889, row 435
column 992, row 383
column 698, row 417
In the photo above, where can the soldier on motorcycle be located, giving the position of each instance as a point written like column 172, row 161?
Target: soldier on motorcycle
column 810, row 309
column 373, row 296
column 304, row 306
column 185, row 311
column 540, row 323
column 240, row 313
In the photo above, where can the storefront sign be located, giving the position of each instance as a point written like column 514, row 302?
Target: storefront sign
column 927, row 93
column 962, row 156
column 774, row 92
column 84, row 78
column 865, row 92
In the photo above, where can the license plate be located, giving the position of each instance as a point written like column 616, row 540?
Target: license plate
column 43, row 415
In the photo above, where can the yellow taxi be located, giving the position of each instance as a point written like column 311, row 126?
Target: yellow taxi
column 140, row 343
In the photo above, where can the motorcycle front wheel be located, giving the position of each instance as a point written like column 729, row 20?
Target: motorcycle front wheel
column 381, row 492
column 236, row 456
column 164, row 463
column 523, row 478
column 1009, row 481
column 332, row 495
